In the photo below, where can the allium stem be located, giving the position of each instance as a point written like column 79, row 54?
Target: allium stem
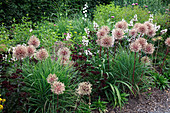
column 21, row 62
column 108, row 57
column 139, row 55
column 115, row 50
column 89, row 101
column 57, row 103
column 156, row 54
column 164, row 60
column 141, row 74
column 77, row 104
column 100, row 51
column 134, row 68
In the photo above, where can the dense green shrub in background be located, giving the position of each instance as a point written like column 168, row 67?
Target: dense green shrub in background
column 103, row 14
column 37, row 9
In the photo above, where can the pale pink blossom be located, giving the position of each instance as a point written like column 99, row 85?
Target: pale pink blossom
column 84, row 88
column 135, row 46
column 167, row 41
column 34, row 41
column 51, row 78
column 149, row 49
column 58, row 87
column 30, row 50
column 118, row 33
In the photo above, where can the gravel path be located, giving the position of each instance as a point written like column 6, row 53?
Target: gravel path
column 157, row 102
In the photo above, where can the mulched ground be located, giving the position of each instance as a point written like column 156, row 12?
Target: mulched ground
column 157, row 102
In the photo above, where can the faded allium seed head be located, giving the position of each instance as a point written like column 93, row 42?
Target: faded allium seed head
column 167, row 42
column 151, row 33
column 51, row 78
column 136, row 25
column 42, row 54
column 142, row 42
column 117, row 33
column 105, row 28
column 58, row 87
column 20, row 52
column 121, row 25
column 84, row 88
column 142, row 29
column 34, row 41
column 135, row 46
column 145, row 60
column 133, row 32
column 101, row 33
column 64, row 52
column 30, row 50
column 107, row 41
column 149, row 25
column 149, row 49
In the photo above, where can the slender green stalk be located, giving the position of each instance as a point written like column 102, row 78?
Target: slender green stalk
column 57, row 103
column 89, row 101
column 134, row 68
column 108, row 57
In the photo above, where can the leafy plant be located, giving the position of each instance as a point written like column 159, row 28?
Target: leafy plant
column 100, row 105
column 160, row 81
column 41, row 98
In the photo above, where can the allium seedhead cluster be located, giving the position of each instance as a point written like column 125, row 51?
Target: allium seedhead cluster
column 20, row 52
column 135, row 46
column 31, row 50
column 42, row 54
column 64, row 52
column 58, row 87
column 118, row 34
column 107, row 41
column 142, row 42
column 133, row 32
column 51, row 78
column 84, row 88
column 149, row 48
column 34, row 41
column 121, row 25
column 145, row 60
column 167, row 42
column 142, row 28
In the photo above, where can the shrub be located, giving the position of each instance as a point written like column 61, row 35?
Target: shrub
column 103, row 14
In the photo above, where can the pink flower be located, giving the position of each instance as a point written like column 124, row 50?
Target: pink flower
column 151, row 33
column 58, row 87
column 133, row 32
column 136, row 3
column 121, row 25
column 42, row 54
column 84, row 88
column 118, row 33
column 133, row 4
column 31, row 30
column 112, row 17
column 135, row 46
column 142, row 42
column 34, row 41
column 64, row 52
column 142, row 28
column 51, row 78
column 146, row 6
column 149, row 12
column 20, row 52
column 149, row 25
column 101, row 33
column 30, row 50
column 149, row 49
column 65, row 33
column 167, row 42
column 107, row 41
column 54, row 24
column 106, row 28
